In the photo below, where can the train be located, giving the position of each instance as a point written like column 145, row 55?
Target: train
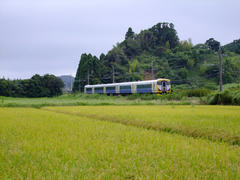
column 157, row 86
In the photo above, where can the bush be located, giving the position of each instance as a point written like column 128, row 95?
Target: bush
column 173, row 96
column 133, row 97
column 226, row 97
column 210, row 86
column 233, row 86
column 198, row 92
column 193, row 92
column 236, row 98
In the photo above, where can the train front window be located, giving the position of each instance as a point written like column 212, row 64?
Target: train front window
column 165, row 83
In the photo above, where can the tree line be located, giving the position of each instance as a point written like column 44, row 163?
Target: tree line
column 37, row 86
column 159, row 49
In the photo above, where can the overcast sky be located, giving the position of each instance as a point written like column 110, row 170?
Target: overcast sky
column 49, row 36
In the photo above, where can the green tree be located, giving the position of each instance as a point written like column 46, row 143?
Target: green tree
column 213, row 44
column 146, row 40
column 133, row 65
column 80, row 78
column 129, row 34
column 231, row 71
column 37, row 86
column 89, row 71
column 102, row 56
column 233, row 47
column 183, row 73
column 132, row 48
column 53, row 84
column 164, row 32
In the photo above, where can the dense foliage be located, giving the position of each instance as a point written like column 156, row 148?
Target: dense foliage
column 37, row 86
column 227, row 97
column 234, row 46
column 160, row 50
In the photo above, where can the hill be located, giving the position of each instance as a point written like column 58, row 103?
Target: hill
column 68, row 82
column 233, row 47
column 158, row 50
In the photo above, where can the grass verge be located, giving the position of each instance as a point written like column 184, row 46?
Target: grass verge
column 96, row 100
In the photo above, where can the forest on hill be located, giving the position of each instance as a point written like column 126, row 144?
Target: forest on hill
column 157, row 52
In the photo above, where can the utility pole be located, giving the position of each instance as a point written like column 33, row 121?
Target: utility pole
column 220, row 68
column 70, row 83
column 113, row 75
column 152, row 72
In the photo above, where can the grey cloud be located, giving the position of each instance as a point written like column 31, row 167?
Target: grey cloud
column 49, row 36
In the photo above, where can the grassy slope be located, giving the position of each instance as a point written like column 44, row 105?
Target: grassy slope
column 218, row 123
column 39, row 144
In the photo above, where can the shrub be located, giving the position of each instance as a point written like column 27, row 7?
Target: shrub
column 197, row 92
column 133, row 97
column 236, row 98
column 232, row 86
column 226, row 97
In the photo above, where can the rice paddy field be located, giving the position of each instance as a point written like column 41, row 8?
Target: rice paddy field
column 120, row 142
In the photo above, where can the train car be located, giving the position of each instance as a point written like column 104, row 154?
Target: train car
column 157, row 86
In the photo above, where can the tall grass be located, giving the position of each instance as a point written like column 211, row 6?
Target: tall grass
column 95, row 99
column 227, row 97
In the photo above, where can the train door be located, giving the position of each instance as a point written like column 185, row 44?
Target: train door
column 159, row 87
column 164, row 86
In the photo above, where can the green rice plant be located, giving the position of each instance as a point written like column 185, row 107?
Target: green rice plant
column 216, row 123
column 38, row 144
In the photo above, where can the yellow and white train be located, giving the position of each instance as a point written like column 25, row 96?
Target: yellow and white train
column 157, row 86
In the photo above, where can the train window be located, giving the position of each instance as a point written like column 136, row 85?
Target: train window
column 164, row 83
column 110, row 88
column 125, row 87
column 89, row 89
column 167, row 83
column 99, row 89
column 144, row 86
